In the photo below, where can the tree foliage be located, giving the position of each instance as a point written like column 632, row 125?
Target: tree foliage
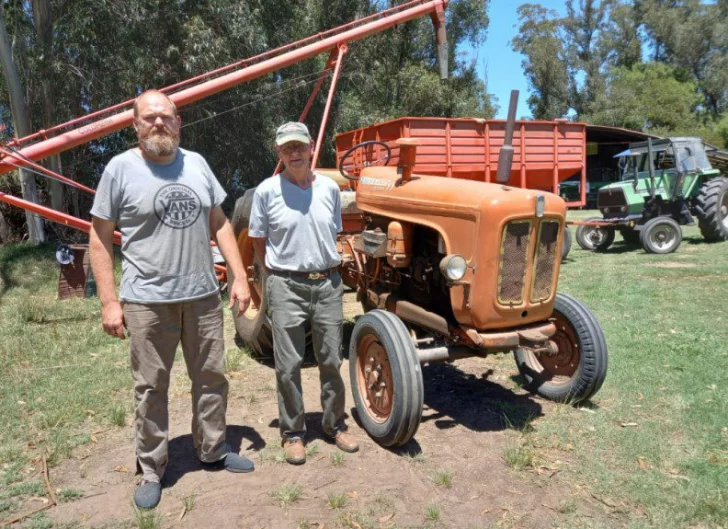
column 103, row 52
column 680, row 84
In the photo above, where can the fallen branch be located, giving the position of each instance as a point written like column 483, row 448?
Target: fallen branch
column 47, row 479
column 327, row 483
column 51, row 493
column 54, row 367
column 21, row 517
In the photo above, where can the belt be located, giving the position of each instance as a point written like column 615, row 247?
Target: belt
column 304, row 275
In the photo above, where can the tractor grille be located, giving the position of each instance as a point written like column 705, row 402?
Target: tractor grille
column 546, row 255
column 513, row 265
column 610, row 197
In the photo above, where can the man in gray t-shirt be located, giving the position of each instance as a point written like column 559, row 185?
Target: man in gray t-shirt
column 166, row 202
column 293, row 223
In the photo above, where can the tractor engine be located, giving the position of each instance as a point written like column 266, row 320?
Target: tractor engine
column 398, row 258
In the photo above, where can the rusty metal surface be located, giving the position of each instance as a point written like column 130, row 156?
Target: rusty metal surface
column 470, row 218
column 74, row 276
column 546, row 257
column 376, row 385
column 513, row 264
column 544, row 152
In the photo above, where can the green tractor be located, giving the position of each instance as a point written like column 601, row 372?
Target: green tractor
column 665, row 183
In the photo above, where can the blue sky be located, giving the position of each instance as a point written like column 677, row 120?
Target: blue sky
column 496, row 59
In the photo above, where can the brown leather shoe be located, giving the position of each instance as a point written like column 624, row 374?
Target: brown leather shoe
column 346, row 442
column 295, row 452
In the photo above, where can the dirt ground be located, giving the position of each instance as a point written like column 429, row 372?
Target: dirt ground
column 463, row 433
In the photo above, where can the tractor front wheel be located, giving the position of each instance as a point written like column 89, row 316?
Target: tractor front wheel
column 661, row 235
column 577, row 370
column 386, row 379
column 594, row 238
column 712, row 209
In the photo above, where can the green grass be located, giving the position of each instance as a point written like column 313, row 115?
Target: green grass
column 287, row 494
column 666, row 324
column 312, row 449
column 39, row 521
column 337, row 500
column 337, row 459
column 68, row 495
column 432, row 513
column 144, row 519
column 443, row 478
column 59, row 373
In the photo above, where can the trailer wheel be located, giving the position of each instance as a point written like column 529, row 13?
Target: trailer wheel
column 253, row 327
column 630, row 236
column 578, row 370
column 386, row 379
column 661, row 235
column 712, row 209
column 594, row 238
column 566, row 248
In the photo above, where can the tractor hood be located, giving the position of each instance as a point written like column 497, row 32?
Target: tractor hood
column 496, row 228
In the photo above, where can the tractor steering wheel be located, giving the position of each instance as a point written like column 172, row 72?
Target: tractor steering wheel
column 363, row 160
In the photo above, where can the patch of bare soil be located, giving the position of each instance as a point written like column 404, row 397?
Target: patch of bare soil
column 463, row 435
column 673, row 264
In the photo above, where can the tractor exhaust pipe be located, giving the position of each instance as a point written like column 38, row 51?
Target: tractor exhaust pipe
column 505, row 157
column 438, row 20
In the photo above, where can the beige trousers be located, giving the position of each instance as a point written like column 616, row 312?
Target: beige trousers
column 155, row 330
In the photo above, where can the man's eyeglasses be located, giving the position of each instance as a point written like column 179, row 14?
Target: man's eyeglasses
column 298, row 147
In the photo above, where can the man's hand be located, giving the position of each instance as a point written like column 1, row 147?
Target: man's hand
column 112, row 319
column 240, row 292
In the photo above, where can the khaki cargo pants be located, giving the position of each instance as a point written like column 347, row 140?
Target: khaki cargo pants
column 293, row 301
column 155, row 330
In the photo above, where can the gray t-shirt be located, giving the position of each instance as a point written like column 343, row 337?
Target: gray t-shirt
column 300, row 225
column 163, row 213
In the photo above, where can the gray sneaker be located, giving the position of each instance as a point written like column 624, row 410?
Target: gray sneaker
column 148, row 494
column 237, row 463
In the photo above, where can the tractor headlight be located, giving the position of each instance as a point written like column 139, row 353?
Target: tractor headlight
column 453, row 267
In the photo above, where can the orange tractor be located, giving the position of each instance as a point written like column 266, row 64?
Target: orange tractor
column 444, row 269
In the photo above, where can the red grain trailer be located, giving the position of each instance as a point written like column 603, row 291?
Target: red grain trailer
column 545, row 152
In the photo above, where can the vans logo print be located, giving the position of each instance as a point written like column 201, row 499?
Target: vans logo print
column 177, row 206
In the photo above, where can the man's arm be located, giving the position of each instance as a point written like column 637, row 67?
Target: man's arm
column 101, row 252
column 222, row 233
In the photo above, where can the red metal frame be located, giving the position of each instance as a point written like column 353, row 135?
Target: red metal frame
column 39, row 145
column 345, row 34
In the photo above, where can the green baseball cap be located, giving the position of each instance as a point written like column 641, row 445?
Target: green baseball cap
column 292, row 131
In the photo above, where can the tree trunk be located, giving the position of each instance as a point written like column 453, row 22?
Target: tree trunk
column 43, row 20
column 21, row 123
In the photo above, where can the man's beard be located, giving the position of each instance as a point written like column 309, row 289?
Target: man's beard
column 159, row 145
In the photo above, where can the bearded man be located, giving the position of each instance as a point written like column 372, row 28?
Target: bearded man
column 166, row 202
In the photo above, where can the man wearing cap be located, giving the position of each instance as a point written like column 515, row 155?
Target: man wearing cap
column 295, row 217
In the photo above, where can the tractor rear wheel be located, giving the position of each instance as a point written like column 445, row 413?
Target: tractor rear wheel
column 386, row 379
column 577, row 370
column 661, row 235
column 712, row 209
column 594, row 238
column 254, row 326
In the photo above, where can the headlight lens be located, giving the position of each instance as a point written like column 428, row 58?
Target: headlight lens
column 453, row 267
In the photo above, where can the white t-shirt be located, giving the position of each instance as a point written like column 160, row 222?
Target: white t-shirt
column 300, row 225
